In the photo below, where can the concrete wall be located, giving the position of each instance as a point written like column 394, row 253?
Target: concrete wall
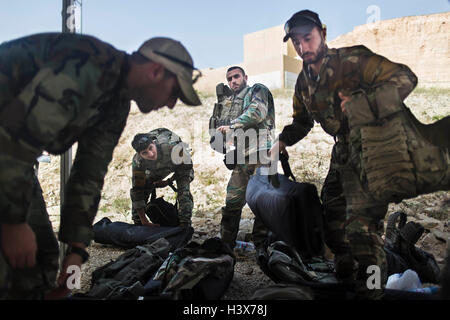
column 420, row 42
column 266, row 60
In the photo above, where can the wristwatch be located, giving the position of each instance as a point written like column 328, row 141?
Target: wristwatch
column 81, row 252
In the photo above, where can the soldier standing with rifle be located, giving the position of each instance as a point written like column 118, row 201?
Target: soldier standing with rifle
column 243, row 119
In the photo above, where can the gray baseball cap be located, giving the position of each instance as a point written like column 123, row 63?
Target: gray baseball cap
column 174, row 56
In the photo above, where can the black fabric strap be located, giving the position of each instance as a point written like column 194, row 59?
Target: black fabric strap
column 273, row 179
column 284, row 158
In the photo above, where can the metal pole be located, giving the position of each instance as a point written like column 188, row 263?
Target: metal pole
column 68, row 26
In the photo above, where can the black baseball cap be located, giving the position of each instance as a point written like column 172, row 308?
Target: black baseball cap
column 305, row 18
column 141, row 141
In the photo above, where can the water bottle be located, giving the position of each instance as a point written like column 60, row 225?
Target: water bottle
column 408, row 280
column 244, row 246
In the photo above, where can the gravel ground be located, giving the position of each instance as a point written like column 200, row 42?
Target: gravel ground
column 309, row 161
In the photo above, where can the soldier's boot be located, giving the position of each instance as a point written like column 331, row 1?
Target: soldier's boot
column 229, row 226
column 334, row 232
column 135, row 218
column 367, row 249
column 260, row 234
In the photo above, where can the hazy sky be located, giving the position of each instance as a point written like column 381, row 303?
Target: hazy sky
column 212, row 30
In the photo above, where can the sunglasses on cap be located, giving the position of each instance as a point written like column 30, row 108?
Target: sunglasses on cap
column 298, row 21
column 196, row 73
column 143, row 143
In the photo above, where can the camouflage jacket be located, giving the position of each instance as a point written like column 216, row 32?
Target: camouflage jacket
column 257, row 112
column 57, row 89
column 345, row 69
column 173, row 157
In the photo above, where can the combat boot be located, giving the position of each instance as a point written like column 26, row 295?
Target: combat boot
column 229, row 226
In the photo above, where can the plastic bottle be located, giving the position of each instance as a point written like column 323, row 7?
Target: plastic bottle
column 408, row 280
column 244, row 246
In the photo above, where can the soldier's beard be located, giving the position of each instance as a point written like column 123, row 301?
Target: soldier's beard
column 242, row 86
column 318, row 55
column 147, row 106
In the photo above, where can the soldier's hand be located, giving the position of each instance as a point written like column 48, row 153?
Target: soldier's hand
column 144, row 220
column 19, row 245
column 344, row 99
column 149, row 224
column 223, row 129
column 70, row 260
column 277, row 148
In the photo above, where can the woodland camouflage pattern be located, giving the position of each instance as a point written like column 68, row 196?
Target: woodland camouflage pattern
column 145, row 172
column 255, row 109
column 57, row 89
column 346, row 201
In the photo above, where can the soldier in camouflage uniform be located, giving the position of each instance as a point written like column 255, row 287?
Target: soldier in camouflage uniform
column 158, row 154
column 353, row 217
column 250, row 112
column 55, row 90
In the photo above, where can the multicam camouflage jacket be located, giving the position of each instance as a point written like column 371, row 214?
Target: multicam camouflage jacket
column 57, row 89
column 173, row 157
column 255, row 110
column 344, row 70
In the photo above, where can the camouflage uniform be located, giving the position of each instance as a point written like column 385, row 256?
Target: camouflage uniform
column 56, row 89
column 145, row 172
column 352, row 215
column 256, row 110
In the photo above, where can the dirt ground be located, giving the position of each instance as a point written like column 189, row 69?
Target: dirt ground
column 309, row 161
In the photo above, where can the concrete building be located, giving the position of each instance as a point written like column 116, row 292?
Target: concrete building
column 267, row 59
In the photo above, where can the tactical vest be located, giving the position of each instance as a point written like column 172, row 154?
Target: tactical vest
column 397, row 156
column 227, row 108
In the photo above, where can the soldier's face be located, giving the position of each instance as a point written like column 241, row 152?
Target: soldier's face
column 158, row 93
column 310, row 46
column 151, row 153
column 236, row 80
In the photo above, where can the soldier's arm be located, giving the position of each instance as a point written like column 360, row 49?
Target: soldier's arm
column 377, row 70
column 256, row 112
column 184, row 175
column 138, row 182
column 301, row 124
column 83, row 190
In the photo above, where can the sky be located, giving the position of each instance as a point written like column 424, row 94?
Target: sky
column 211, row 30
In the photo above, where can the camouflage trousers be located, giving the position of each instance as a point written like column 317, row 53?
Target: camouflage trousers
column 32, row 283
column 353, row 221
column 234, row 202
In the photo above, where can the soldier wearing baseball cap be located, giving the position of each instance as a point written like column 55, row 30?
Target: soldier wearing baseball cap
column 302, row 22
column 332, row 89
column 57, row 89
column 175, row 58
